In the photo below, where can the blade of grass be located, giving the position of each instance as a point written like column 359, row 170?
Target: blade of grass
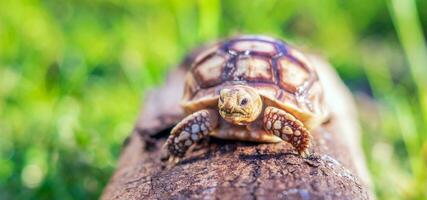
column 405, row 18
column 407, row 24
column 406, row 120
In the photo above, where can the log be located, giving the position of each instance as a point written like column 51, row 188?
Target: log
column 220, row 169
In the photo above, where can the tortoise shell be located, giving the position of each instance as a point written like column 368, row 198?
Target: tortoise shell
column 281, row 74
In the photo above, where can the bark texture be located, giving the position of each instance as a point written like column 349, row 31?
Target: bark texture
column 220, row 169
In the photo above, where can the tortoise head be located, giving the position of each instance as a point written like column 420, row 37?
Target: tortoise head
column 239, row 104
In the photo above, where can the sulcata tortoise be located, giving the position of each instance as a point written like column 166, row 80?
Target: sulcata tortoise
column 250, row 88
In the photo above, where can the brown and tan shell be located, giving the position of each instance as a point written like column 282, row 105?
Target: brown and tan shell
column 280, row 73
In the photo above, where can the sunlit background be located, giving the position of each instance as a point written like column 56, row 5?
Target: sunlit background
column 73, row 73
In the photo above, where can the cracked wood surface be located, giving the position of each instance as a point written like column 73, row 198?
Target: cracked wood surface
column 219, row 169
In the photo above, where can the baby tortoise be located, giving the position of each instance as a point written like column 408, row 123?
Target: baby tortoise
column 251, row 88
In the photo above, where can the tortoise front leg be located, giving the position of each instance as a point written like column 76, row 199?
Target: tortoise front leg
column 287, row 127
column 190, row 130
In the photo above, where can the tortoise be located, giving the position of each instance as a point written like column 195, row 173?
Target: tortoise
column 250, row 88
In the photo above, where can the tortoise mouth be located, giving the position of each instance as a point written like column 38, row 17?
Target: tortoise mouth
column 236, row 113
column 236, row 117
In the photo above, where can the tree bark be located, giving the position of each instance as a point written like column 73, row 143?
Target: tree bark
column 221, row 169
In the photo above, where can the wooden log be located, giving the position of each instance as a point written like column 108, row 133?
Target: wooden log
column 221, row 169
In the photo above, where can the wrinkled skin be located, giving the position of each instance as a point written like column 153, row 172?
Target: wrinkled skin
column 239, row 105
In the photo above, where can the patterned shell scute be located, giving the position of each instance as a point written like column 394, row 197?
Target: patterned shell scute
column 277, row 70
column 208, row 72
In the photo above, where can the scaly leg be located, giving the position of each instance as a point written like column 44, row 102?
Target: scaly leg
column 287, row 127
column 190, row 130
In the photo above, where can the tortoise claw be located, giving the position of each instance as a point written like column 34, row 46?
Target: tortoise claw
column 304, row 154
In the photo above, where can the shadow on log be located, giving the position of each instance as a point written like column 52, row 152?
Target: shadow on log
column 221, row 169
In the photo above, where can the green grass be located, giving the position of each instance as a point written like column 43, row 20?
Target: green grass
column 73, row 73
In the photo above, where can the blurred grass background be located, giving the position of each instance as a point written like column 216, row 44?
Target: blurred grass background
column 73, row 73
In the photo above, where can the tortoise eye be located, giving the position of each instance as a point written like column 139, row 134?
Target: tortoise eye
column 244, row 101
